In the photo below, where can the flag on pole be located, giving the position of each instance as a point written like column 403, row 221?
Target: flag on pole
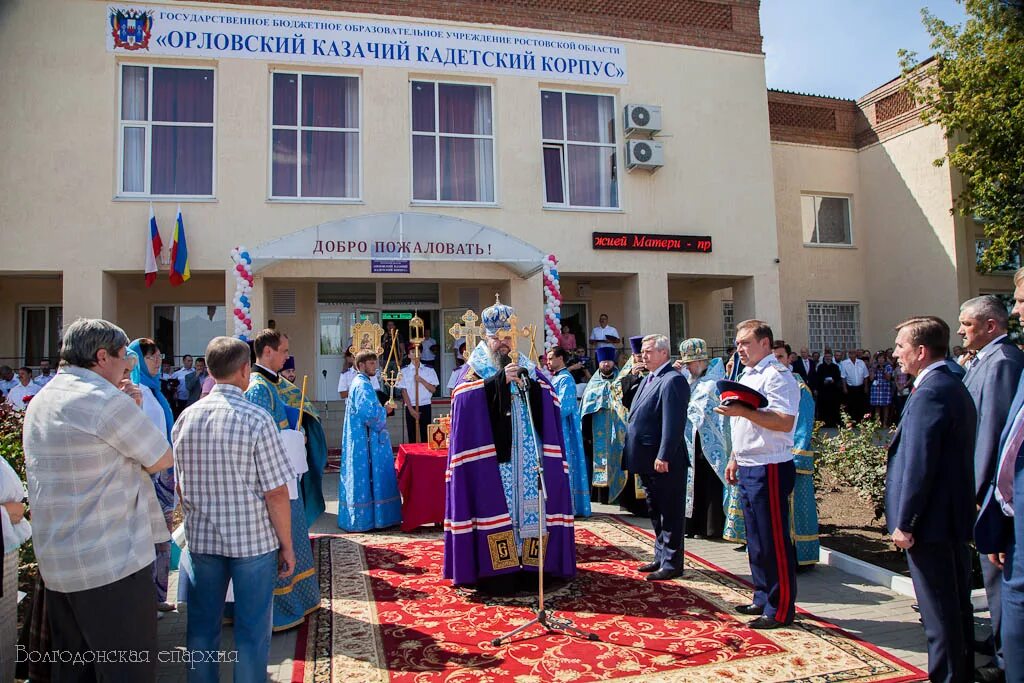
column 153, row 246
column 179, row 253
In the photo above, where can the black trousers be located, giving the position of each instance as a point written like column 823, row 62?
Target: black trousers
column 666, row 501
column 857, row 402
column 111, row 629
column 940, row 572
column 410, row 424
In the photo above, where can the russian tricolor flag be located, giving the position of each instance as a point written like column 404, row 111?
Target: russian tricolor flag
column 153, row 246
column 179, row 254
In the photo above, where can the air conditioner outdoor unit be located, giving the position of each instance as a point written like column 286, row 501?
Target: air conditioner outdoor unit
column 644, row 154
column 643, row 118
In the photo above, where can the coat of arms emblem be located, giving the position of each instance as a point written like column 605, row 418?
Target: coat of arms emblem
column 131, row 28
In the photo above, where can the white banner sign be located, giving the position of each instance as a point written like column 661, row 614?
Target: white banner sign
column 191, row 32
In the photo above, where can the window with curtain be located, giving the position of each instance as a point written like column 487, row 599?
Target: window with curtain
column 580, row 167
column 315, row 136
column 166, row 131
column 452, row 142
column 41, row 333
column 825, row 220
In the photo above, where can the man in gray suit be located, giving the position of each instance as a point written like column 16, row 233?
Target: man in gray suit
column 992, row 378
column 656, row 450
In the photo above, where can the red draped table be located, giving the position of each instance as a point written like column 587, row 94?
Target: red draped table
column 421, row 483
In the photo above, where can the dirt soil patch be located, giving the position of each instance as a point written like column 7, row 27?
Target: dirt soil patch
column 847, row 524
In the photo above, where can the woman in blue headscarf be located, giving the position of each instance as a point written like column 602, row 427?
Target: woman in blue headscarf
column 146, row 375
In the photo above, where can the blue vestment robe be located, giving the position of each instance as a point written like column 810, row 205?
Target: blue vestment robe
column 609, row 435
column 367, row 485
column 565, row 389
column 299, row 594
column 713, row 429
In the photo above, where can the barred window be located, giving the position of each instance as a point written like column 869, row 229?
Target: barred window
column 832, row 325
column 728, row 324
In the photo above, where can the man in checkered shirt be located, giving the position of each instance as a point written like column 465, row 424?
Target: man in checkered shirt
column 89, row 450
column 232, row 472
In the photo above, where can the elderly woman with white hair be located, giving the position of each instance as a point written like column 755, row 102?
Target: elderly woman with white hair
column 707, row 439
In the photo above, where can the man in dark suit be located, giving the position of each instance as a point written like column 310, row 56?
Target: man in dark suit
column 991, row 379
column 656, row 450
column 1000, row 533
column 929, row 494
column 805, row 367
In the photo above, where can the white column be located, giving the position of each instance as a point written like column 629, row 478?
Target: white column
column 89, row 293
column 645, row 302
column 759, row 297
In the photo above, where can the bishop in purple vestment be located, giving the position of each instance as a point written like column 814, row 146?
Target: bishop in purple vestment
column 492, row 521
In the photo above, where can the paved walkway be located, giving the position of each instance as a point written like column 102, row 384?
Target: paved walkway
column 872, row 613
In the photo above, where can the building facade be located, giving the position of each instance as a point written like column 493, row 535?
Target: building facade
column 379, row 159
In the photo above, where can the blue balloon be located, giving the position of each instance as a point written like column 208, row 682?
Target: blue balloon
column 245, row 257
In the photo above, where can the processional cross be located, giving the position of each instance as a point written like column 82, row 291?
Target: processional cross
column 468, row 330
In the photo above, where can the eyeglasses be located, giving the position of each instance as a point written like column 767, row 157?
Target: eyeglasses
column 155, row 354
column 131, row 359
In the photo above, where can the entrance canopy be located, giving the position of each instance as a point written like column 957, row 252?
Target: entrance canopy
column 401, row 237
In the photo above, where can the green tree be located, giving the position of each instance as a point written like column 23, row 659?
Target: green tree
column 974, row 89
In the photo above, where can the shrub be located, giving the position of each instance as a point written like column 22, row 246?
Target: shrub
column 857, row 457
column 11, row 423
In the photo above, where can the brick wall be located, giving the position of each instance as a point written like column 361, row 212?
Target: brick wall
column 722, row 24
column 810, row 119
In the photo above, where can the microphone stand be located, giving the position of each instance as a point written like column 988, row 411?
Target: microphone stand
column 541, row 615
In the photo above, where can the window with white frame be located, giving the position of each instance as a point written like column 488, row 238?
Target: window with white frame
column 186, row 329
column 728, row 324
column 832, row 325
column 166, row 131
column 826, row 220
column 452, row 142
column 315, row 143
column 41, row 333
column 578, row 131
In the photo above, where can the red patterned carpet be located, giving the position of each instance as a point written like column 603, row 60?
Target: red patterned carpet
column 388, row 616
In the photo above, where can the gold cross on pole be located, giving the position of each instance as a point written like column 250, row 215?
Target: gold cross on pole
column 468, row 330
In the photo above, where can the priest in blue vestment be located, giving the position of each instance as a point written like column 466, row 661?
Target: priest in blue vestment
column 299, row 594
column 564, row 385
column 604, row 429
column 505, row 420
column 368, row 495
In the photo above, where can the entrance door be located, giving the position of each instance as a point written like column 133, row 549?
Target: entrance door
column 335, row 333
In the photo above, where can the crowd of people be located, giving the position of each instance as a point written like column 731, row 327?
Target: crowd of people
column 705, row 446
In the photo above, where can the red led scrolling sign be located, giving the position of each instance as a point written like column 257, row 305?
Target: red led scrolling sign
column 642, row 241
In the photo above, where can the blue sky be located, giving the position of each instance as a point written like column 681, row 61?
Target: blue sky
column 844, row 48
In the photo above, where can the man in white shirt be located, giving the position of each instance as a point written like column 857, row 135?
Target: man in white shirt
column 762, row 465
column 418, row 382
column 181, row 393
column 22, row 392
column 460, row 362
column 428, row 350
column 604, row 334
column 44, row 373
column 855, row 372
